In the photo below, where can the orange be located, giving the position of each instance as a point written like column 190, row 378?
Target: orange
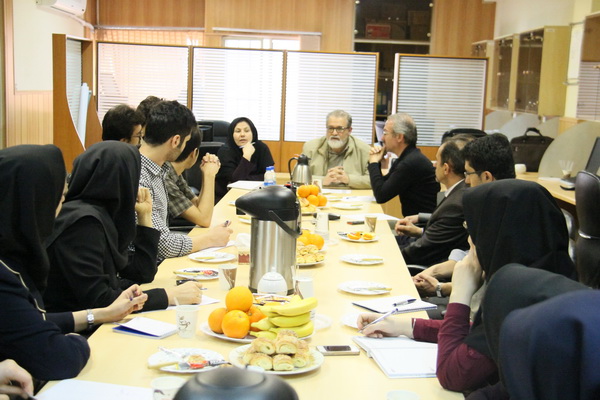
column 216, row 318
column 312, row 199
column 317, row 240
column 255, row 315
column 236, row 324
column 305, row 232
column 304, row 239
column 322, row 200
column 354, row 235
column 368, row 236
column 239, row 298
column 314, row 189
column 303, row 191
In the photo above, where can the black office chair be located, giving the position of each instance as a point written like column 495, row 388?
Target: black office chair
column 587, row 198
column 215, row 130
column 467, row 131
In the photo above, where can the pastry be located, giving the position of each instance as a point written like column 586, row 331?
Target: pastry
column 302, row 359
column 263, row 345
column 262, row 360
column 247, row 356
column 283, row 362
column 286, row 345
column 286, row 332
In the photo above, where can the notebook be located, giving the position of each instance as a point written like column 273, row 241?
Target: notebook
column 386, row 304
column 146, row 327
column 401, row 357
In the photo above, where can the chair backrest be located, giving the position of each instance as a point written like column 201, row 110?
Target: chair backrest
column 587, row 198
column 216, row 130
column 477, row 133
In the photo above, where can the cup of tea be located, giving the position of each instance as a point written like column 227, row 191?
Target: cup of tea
column 371, row 222
column 227, row 274
column 187, row 319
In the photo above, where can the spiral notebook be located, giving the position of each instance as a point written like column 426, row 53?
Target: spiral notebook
column 146, row 327
column 386, row 304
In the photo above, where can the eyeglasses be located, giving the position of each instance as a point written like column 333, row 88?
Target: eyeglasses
column 338, row 129
column 472, row 173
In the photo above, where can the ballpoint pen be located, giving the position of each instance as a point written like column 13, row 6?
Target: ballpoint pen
column 384, row 316
column 226, row 223
column 404, row 302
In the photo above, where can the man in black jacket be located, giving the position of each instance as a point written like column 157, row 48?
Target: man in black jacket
column 411, row 176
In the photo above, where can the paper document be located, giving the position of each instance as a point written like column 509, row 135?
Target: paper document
column 147, row 327
column 380, row 216
column 245, row 185
column 72, row 389
column 401, row 357
column 386, row 304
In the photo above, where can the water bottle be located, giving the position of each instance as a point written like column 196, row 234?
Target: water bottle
column 270, row 176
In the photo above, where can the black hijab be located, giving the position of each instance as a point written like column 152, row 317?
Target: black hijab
column 32, row 180
column 104, row 185
column 514, row 221
column 551, row 350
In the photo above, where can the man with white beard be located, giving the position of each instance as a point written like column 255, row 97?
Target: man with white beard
column 340, row 158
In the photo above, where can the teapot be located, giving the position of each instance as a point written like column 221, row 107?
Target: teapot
column 301, row 174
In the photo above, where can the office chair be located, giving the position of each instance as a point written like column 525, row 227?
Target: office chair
column 477, row 133
column 587, row 198
column 216, row 130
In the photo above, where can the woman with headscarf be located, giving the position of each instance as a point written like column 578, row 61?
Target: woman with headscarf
column 32, row 181
column 509, row 221
column 90, row 257
column 243, row 157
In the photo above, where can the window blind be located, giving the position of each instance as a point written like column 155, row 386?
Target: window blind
column 74, row 77
column 588, row 98
column 440, row 94
column 318, row 83
column 231, row 83
column 129, row 73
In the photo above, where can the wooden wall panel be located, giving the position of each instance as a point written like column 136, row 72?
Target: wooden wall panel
column 456, row 24
column 28, row 118
column 168, row 13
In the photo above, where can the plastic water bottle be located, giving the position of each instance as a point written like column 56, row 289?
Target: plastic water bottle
column 270, row 176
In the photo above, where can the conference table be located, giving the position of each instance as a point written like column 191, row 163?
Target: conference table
column 122, row 359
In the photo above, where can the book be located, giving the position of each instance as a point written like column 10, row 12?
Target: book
column 146, row 327
column 386, row 304
column 401, row 357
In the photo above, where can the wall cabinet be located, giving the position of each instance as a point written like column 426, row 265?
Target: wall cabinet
column 503, row 71
column 588, row 98
column 485, row 49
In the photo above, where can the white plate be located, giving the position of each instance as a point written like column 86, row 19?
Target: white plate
column 206, row 329
column 197, row 274
column 235, row 357
column 350, row 320
column 211, row 256
column 365, row 199
column 245, row 219
column 333, row 199
column 162, row 357
column 347, row 206
column 364, row 288
column 310, row 263
column 362, row 259
column 344, row 236
column 321, row 321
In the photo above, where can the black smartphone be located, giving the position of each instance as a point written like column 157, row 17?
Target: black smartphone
column 356, row 222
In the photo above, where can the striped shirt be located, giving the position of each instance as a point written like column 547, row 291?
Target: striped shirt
column 170, row 244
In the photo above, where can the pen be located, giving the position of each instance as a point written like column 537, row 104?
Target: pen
column 384, row 316
column 226, row 223
column 405, row 302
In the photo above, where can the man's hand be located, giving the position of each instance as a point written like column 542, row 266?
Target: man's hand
column 248, row 150
column 143, row 207
column 376, row 153
column 210, row 165
column 406, row 226
column 336, row 175
column 22, row 384
column 425, row 284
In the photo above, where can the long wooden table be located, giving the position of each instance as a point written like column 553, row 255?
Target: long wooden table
column 122, row 359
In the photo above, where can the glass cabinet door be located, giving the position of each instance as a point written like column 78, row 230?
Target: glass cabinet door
column 503, row 60
column 529, row 70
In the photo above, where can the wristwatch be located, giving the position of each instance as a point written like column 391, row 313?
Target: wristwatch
column 90, row 319
column 438, row 290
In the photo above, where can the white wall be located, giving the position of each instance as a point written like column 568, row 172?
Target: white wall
column 33, row 29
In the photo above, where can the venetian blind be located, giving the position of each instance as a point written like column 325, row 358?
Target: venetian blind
column 231, row 83
column 317, row 83
column 588, row 98
column 129, row 73
column 440, row 94
column 74, row 77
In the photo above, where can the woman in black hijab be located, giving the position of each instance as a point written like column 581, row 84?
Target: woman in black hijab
column 32, row 181
column 509, row 221
column 91, row 262
column 243, row 157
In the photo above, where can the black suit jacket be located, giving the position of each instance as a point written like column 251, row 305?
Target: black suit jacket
column 443, row 233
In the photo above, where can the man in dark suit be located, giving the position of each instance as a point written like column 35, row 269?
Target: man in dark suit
column 411, row 176
column 444, row 230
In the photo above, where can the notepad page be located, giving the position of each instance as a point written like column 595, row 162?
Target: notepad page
column 72, row 389
column 385, row 304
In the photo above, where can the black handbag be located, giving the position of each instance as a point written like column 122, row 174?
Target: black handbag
column 529, row 150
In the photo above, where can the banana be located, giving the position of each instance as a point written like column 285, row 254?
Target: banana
column 295, row 298
column 296, row 307
column 264, row 324
column 301, row 331
column 286, row 322
column 264, row 334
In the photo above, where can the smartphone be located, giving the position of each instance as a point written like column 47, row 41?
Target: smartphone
column 356, row 222
column 339, row 350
